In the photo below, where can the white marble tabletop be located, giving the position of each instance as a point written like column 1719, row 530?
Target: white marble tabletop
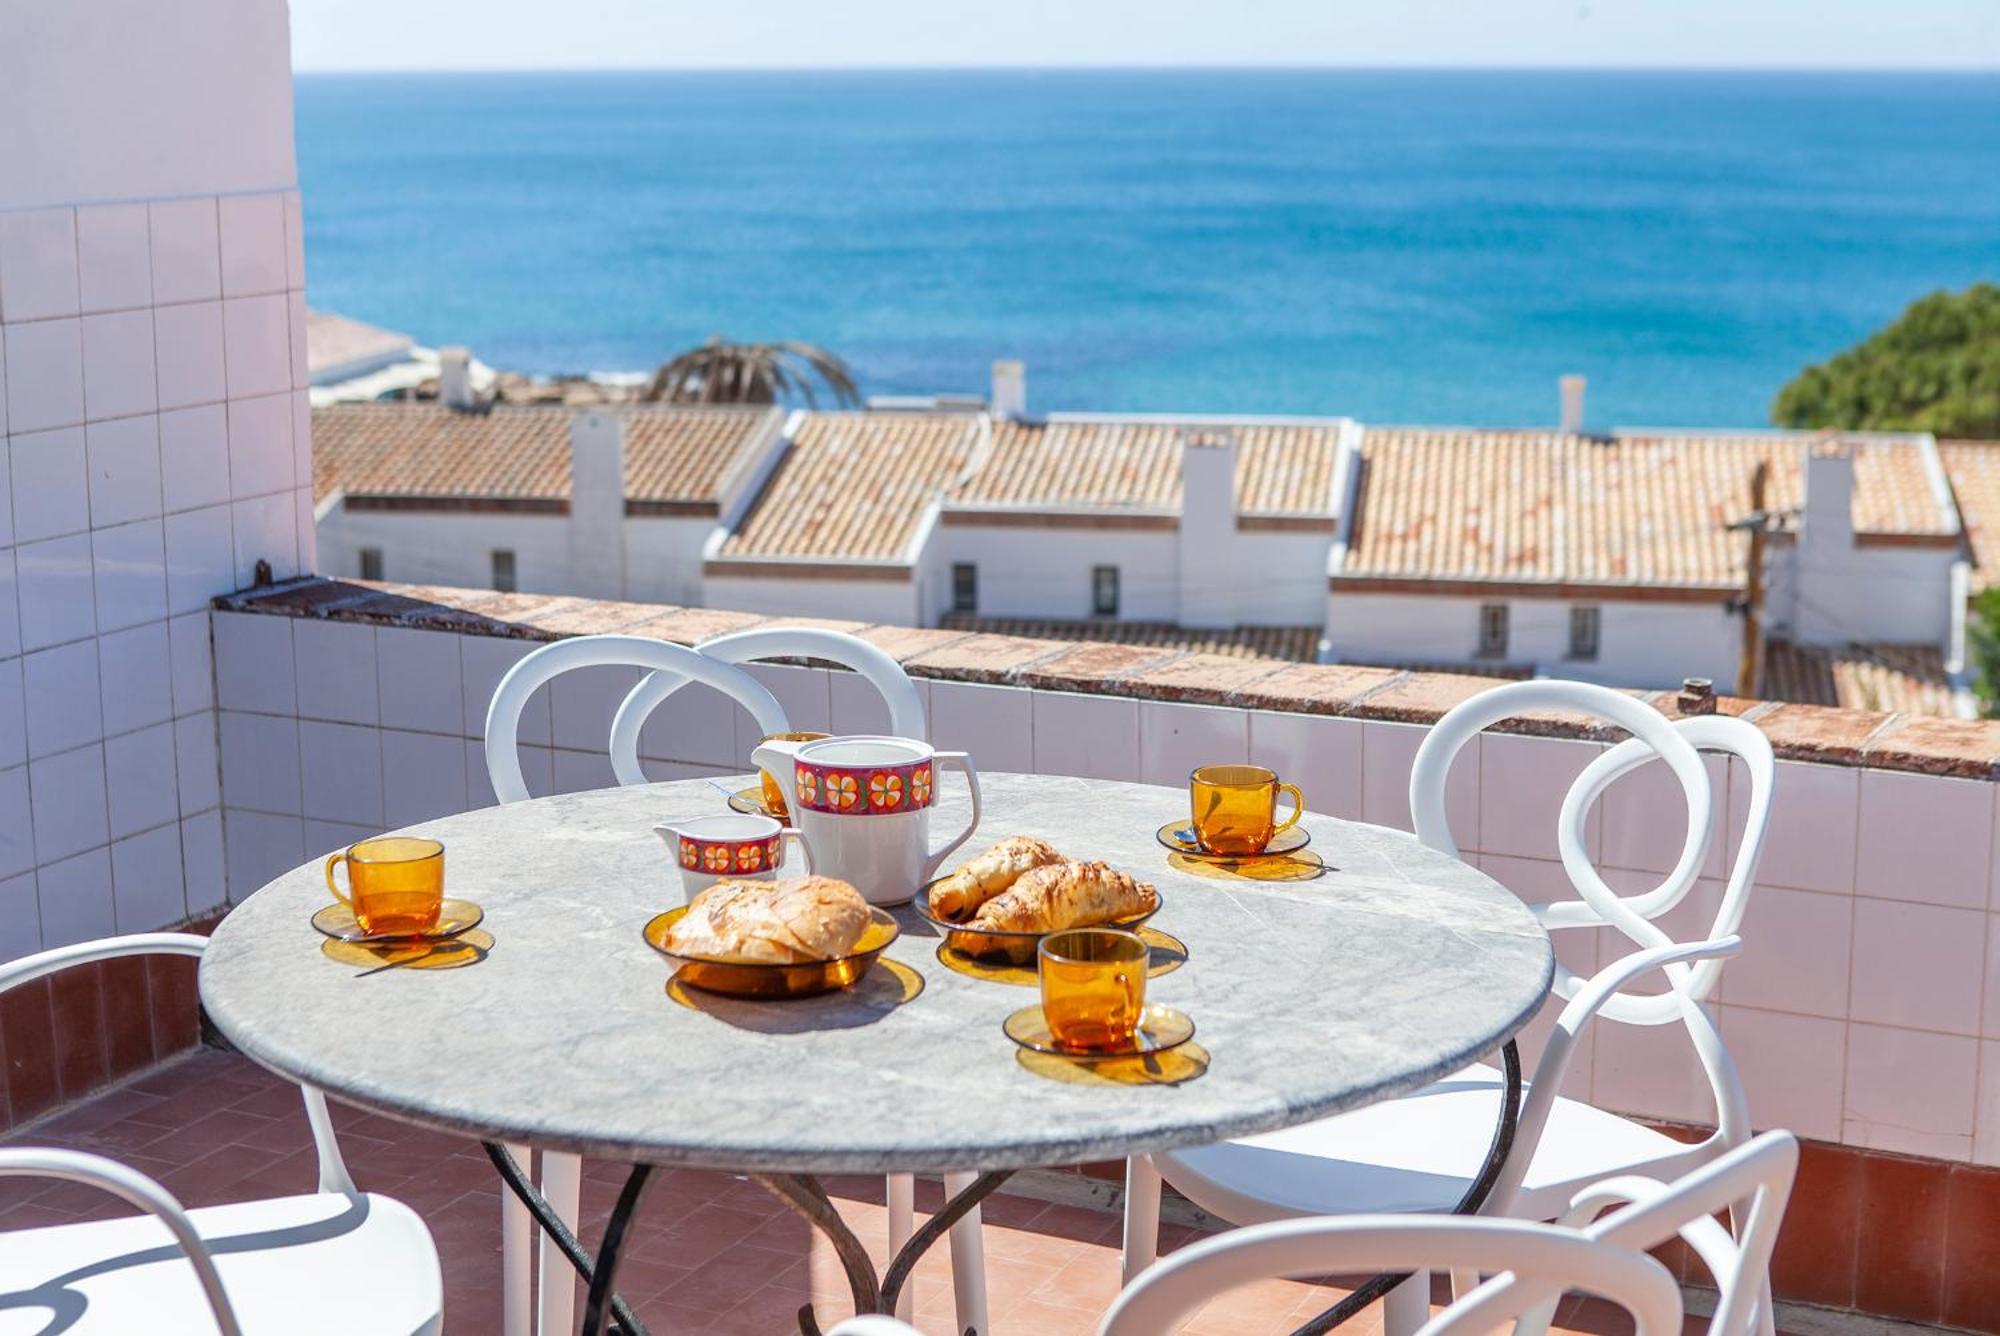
column 1397, row 966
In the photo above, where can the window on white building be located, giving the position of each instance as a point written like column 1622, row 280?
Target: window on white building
column 371, row 563
column 1583, row 633
column 1493, row 630
column 503, row 569
column 1104, row 591
column 964, row 587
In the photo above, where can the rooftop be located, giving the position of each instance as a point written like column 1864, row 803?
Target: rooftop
column 1974, row 470
column 856, row 486
column 1287, row 644
column 1134, row 465
column 1909, row 678
column 338, row 347
column 1633, row 508
column 430, row 455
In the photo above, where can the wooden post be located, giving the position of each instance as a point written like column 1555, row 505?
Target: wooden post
column 1753, row 600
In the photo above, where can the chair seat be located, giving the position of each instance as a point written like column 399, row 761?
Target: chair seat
column 319, row 1265
column 1417, row 1153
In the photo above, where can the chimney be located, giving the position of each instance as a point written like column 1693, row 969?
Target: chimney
column 597, row 504
column 1010, row 389
column 1571, row 388
column 1826, row 521
column 455, row 377
column 1212, row 587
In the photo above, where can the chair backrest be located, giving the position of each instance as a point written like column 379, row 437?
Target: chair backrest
column 1530, row 1265
column 333, row 1175
column 1690, row 980
column 1599, row 906
column 503, row 715
column 898, row 692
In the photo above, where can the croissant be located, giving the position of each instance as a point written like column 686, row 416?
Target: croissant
column 1067, row 895
column 956, row 897
column 781, row 922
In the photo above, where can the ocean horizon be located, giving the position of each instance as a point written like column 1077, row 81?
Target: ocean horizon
column 1399, row 245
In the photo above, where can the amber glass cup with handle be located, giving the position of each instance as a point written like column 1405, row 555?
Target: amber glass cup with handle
column 395, row 884
column 1235, row 808
column 774, row 796
column 1093, row 988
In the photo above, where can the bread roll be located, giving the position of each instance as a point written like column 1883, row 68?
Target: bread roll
column 1066, row 895
column 958, row 896
column 771, row 922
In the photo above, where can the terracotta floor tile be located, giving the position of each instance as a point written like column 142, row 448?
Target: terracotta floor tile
column 1972, row 1270
column 1899, row 1270
column 1090, row 1279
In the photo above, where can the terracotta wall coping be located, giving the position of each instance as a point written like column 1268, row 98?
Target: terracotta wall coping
column 1921, row 744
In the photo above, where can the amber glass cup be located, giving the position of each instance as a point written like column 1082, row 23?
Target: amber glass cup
column 774, row 796
column 1093, row 988
column 1235, row 808
column 395, row 884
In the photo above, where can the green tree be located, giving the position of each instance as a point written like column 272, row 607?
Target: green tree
column 720, row 372
column 1982, row 650
column 1936, row 369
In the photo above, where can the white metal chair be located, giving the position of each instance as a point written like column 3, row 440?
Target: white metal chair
column 1597, row 1247
column 285, row 1264
column 715, row 663
column 898, row 692
column 1422, row 1152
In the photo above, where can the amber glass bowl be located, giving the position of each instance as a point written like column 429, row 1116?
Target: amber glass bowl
column 738, row 978
column 1016, row 948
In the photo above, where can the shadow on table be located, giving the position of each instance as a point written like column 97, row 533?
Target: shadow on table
column 887, row 986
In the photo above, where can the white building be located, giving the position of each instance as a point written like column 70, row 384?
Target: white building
column 1622, row 557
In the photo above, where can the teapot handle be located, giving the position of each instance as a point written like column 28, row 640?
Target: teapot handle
column 775, row 758
column 959, row 761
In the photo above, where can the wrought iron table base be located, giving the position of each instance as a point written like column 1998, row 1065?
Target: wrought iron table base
column 1475, row 1197
column 802, row 1192
column 877, row 1293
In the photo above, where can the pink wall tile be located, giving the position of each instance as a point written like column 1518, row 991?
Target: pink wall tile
column 1918, row 965
column 1900, row 855
column 994, row 725
column 1796, row 953
column 1522, row 782
column 1387, row 751
column 1651, row 1071
column 38, row 264
column 1322, row 756
column 1793, row 1068
column 114, row 257
column 1986, row 1127
column 1645, row 819
column 1174, row 739
column 1095, row 737
column 1811, row 844
column 1909, row 1091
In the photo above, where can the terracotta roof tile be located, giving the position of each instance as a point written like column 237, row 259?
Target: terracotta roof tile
column 1974, row 470
column 1281, row 468
column 1635, row 508
column 1906, row 678
column 424, row 450
column 856, row 486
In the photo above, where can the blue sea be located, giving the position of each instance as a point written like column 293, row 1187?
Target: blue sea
column 1401, row 246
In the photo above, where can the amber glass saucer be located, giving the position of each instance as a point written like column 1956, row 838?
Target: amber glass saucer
column 1161, row 1028
column 1179, row 837
column 750, row 802
column 454, row 917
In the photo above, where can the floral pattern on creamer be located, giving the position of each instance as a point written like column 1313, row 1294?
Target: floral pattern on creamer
column 721, row 857
column 864, row 790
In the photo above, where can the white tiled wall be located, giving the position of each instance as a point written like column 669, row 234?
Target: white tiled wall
column 151, row 386
column 1865, row 1009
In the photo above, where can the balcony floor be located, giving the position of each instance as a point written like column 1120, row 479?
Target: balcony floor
column 711, row 1254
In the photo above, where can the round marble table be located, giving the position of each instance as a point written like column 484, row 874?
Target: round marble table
column 1396, row 966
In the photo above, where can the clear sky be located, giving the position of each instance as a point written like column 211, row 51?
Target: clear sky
column 667, row 34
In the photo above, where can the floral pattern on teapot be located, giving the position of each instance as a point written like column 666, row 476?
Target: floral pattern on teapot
column 863, row 790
